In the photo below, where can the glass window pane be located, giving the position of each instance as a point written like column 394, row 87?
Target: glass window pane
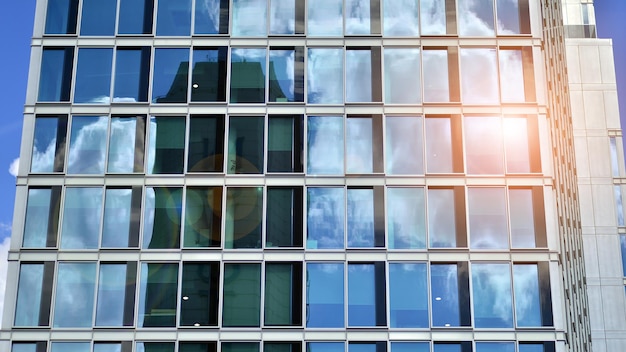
column 359, row 150
column 206, row 143
column 240, row 347
column 325, row 18
column 479, row 76
column 122, row 146
column 211, row 17
column 400, row 18
column 197, row 347
column 154, row 347
column 244, row 217
column 49, row 144
column 107, row 347
column 93, row 76
column 157, row 295
column 82, row 212
column 200, row 294
column 487, row 218
column 511, row 76
column 282, row 294
column 495, row 346
column 29, row 295
column 325, row 145
column 475, row 17
column 522, row 218
column 173, row 17
column 362, row 347
column 436, row 80
column 483, row 144
column 87, row 145
column 361, row 295
column 404, row 145
column 37, row 220
column 112, row 295
column 527, row 301
column 170, row 71
column 284, row 144
column 432, row 17
column 249, row 18
column 402, row 76
column 208, row 78
column 445, row 295
column 132, row 67
column 245, row 145
column 56, row 74
column 448, row 347
column 358, row 75
column 406, row 218
column 324, row 298
column 242, row 295
column 282, row 346
column 531, row 347
column 441, row 218
column 516, row 145
column 623, row 246
column 117, row 217
column 161, row 217
column 135, row 17
column 61, row 16
column 491, row 290
column 358, row 17
column 439, row 155
column 98, row 17
column 248, row 74
column 74, row 298
column 70, row 347
column 283, row 16
column 284, row 217
column 24, row 347
column 325, row 72
column 284, row 85
column 325, row 218
column 203, row 217
column 410, row 347
column 166, row 147
column 508, row 17
column 360, row 218
column 408, row 298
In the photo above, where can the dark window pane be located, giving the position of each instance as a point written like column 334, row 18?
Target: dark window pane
column 211, row 17
column 360, row 218
column 325, row 72
column 173, row 17
column 169, row 81
column 475, row 18
column 162, row 217
column 325, row 297
column 135, row 17
column 112, row 290
column 203, row 217
column 208, row 78
column 248, row 75
column 445, row 295
column 157, row 295
column 491, row 290
column 29, row 295
column 39, row 213
column 242, row 295
column 93, row 76
column 132, row 68
column 487, row 218
column 532, row 347
column 527, row 295
column 408, row 296
column 126, row 144
column 200, row 293
column 244, row 217
column 284, row 217
column 449, row 347
column 284, row 152
column 249, row 18
column 61, row 16
column 87, row 150
column 402, row 76
column 82, row 212
column 56, row 74
column 98, row 17
column 325, row 145
column 245, row 145
column 410, row 347
column 623, row 247
column 49, row 144
column 325, row 217
column 197, row 347
column 282, row 346
column 154, row 347
column 286, row 82
column 74, row 298
column 166, row 147
column 240, row 347
column 283, row 294
column 400, row 18
column 206, row 143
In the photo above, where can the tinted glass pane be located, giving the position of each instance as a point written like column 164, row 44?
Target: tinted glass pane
column 325, row 18
column 203, row 217
column 361, row 347
column 441, row 218
column 284, row 144
column 117, row 217
column 70, row 347
column 508, row 17
column 282, row 346
column 81, row 218
column 244, row 217
column 122, row 147
column 111, row 295
column 282, row 16
column 248, row 75
column 359, row 153
column 29, row 291
column 491, row 289
column 284, row 86
column 404, row 145
column 522, row 218
column 211, row 17
column 284, row 214
column 325, row 217
column 325, row 145
column 157, row 295
column 208, row 78
column 623, row 246
column 358, row 75
column 408, row 298
column 56, row 74
column 93, row 76
column 475, row 17
column 87, row 145
column 240, row 347
column 74, row 298
column 173, row 17
column 169, row 81
column 324, row 298
column 131, row 75
column 432, row 17
column 162, row 217
column 48, row 144
column 495, row 347
column 37, row 218
column 206, row 144
column 531, row 347
column 245, row 145
column 511, row 76
column 135, row 17
column 483, row 145
column 402, row 76
column 242, row 295
column 479, row 76
column 447, row 347
column 249, row 18
column 107, row 347
column 406, row 218
column 98, row 17
column 436, row 81
column 24, row 347
column 400, row 18
column 439, row 155
column 61, row 16
column 361, row 295
column 197, row 347
column 487, row 218
column 527, row 301
column 357, row 17
column 445, row 295
column 360, row 217
column 154, row 347
column 516, row 145
column 325, row 73
column 200, row 292
column 166, row 147
column 279, row 295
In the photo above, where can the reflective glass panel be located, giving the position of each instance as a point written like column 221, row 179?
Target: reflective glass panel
column 249, row 18
column 245, row 145
column 516, row 145
column 284, row 217
column 363, row 346
column 511, row 76
column 441, row 218
column 200, row 293
column 24, row 347
column 439, row 156
column 362, row 297
column 491, row 289
column 49, row 144
column 325, row 73
column 242, row 295
column 248, row 74
column 325, row 18
column 70, row 347
column 206, row 143
column 283, row 16
column 400, row 18
column 406, row 218
column 240, row 347
column 435, row 68
column 527, row 293
column 29, row 295
column 623, row 246
column 161, row 217
column 282, row 346
column 359, row 152
column 448, row 347
column 208, row 77
column 410, row 347
column 135, row 17
column 166, row 146
column 357, row 17
column 358, row 75
column 325, row 146
column 132, row 67
column 107, row 347
column 111, row 295
column 487, row 218
column 325, row 347
column 444, row 285
column 93, row 76
column 82, row 213
column 244, row 217
column 522, row 218
column 170, row 71
column 360, row 217
column 325, row 217
column 432, row 17
column 402, row 76
column 173, row 17
column 475, row 17
column 203, row 217
column 325, row 295
column 55, row 76
column 122, row 146
column 154, row 347
column 98, row 17
column 87, row 145
column 284, row 85
column 37, row 219
column 74, row 298
column 508, row 17
column 408, row 297
column 61, row 17
column 283, row 294
column 404, row 145
column 531, row 347
column 484, row 152
column 479, row 76
column 157, row 295
column 495, row 346
column 211, row 17
column 197, row 347
column 117, row 217
column 284, row 152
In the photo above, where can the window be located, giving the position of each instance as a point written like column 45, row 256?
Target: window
column 533, row 299
column 437, row 17
column 487, row 218
column 170, row 75
column 126, row 144
column 70, row 347
column 325, row 145
column 366, row 294
column 450, row 301
column 173, row 17
column 443, row 144
column 82, row 214
column 408, row 297
column 537, row 347
column 122, row 207
column 135, row 16
column 484, row 152
column 402, row 75
column 203, row 217
column 93, row 76
column 286, row 17
column 282, row 346
column 325, row 298
column 452, row 346
column 42, row 217
column 401, row 18
column 365, row 214
column 208, row 74
column 132, row 72
column 197, row 347
column 248, row 73
column 404, row 145
column 526, row 211
column 98, row 17
column 410, row 347
column 158, row 295
column 242, row 295
column 495, row 346
column 244, row 217
column 479, row 75
column 476, row 19
column 325, row 217
column 440, row 74
column 48, row 154
column 325, row 346
column 406, row 218
column 512, row 17
column 364, row 144
column 34, row 297
column 240, row 347
column 492, row 297
column 286, row 74
column 325, row 71
column 284, row 217
column 325, row 18
column 61, row 17
column 166, row 145
column 154, row 347
column 521, row 144
column 363, row 76
column 40, row 346
column 116, row 294
column 162, row 217
column 206, row 143
column 199, row 294
column 74, row 296
column 246, row 145
column 446, row 217
column 283, row 295
column 125, row 346
column 56, row 74
column 87, row 150
column 512, row 76
column 249, row 18
column 211, row 17
column 367, row 346
column 285, row 143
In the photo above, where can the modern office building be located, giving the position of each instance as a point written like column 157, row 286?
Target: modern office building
column 317, row 175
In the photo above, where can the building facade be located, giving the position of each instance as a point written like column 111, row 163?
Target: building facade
column 328, row 175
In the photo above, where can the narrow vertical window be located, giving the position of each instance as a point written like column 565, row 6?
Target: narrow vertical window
column 166, row 146
column 34, row 294
column 55, row 76
column 284, row 217
column 450, row 301
column 245, row 145
column 135, row 16
column 517, row 144
column 286, row 74
column 244, row 217
column 158, row 295
column 325, row 296
column 173, row 17
column 116, row 294
column 211, row 17
column 162, row 217
column 406, row 218
column 492, row 297
column 98, row 17
column 48, row 153
column 206, row 143
column 74, row 297
column 487, row 218
column 433, row 19
column 82, row 214
column 208, row 74
column 87, row 149
column 325, row 68
column 170, row 75
column 325, row 217
column 200, row 293
column 443, row 145
column 61, row 17
column 511, row 76
column 325, row 145
column 283, row 294
column 325, row 18
column 126, row 144
column 285, row 138
column 403, row 76
column 93, row 76
column 476, row 18
column 361, row 218
column 446, row 217
column 203, row 217
column 484, row 150
column 121, row 217
column 132, row 72
column 42, row 217
column 248, row 73
column 522, row 218
column 366, row 294
column 512, row 17
column 533, row 299
column 435, row 65
column 359, row 145
column 623, row 247
column 242, row 295
column 404, row 145
column 401, row 18
column 408, row 296
column 249, row 18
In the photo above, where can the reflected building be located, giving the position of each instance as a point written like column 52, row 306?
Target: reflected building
column 328, row 175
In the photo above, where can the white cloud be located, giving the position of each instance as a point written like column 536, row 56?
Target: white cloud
column 14, row 166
